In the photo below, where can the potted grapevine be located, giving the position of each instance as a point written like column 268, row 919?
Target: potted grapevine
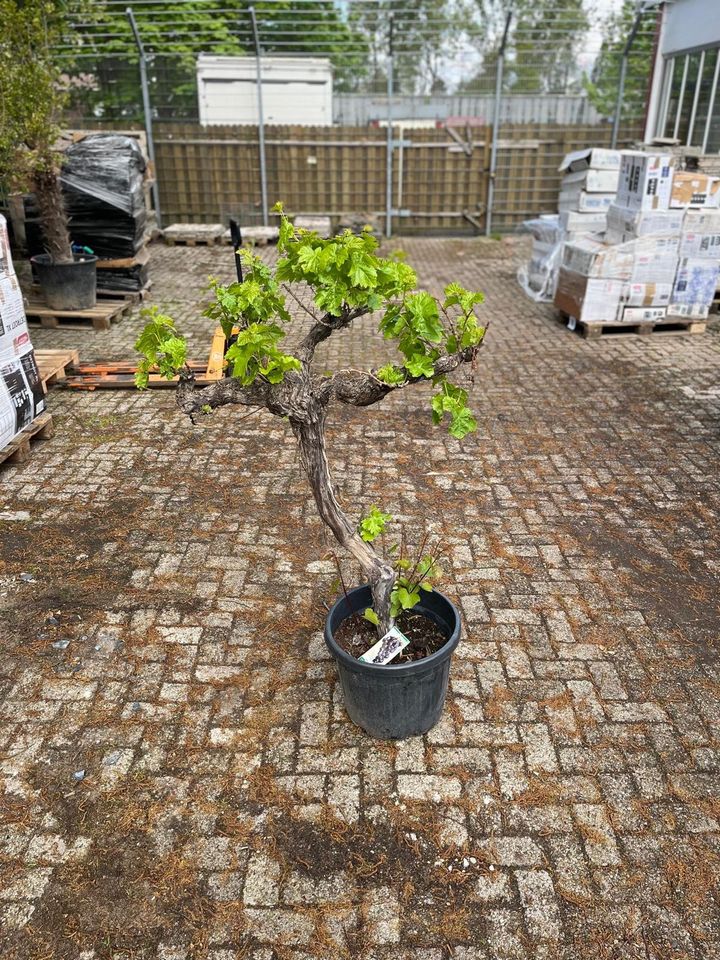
column 390, row 696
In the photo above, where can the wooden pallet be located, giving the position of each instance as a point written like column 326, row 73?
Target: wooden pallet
column 194, row 234
column 124, row 263
column 19, row 449
column 121, row 376
column 133, row 296
column 53, row 364
column 255, row 236
column 99, row 317
column 593, row 331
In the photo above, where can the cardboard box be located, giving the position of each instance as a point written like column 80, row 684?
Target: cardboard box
column 592, row 181
column 595, row 157
column 21, row 394
column 693, row 189
column 688, row 311
column 645, row 180
column 700, row 246
column 6, row 264
column 624, row 224
column 695, row 286
column 705, row 220
column 647, row 268
column 643, row 314
column 647, row 294
column 588, row 299
column 14, row 333
column 651, row 259
column 573, row 221
column 584, row 202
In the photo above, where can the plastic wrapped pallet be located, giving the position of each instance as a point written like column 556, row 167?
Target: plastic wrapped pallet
column 103, row 188
column 103, row 179
column 539, row 276
column 588, row 299
column 694, row 288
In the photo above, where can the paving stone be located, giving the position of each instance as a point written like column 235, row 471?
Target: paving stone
column 577, row 753
column 261, row 882
column 537, row 896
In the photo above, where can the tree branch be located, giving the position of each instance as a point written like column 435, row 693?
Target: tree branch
column 323, row 328
column 362, row 389
column 191, row 398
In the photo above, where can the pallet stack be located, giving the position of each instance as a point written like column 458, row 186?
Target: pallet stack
column 105, row 188
column 22, row 397
column 589, row 184
column 658, row 261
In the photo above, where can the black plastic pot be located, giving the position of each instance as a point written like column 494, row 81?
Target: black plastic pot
column 67, row 286
column 392, row 702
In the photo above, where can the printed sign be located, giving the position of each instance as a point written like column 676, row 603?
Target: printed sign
column 386, row 648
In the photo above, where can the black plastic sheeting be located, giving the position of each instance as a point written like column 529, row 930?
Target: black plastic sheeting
column 102, row 179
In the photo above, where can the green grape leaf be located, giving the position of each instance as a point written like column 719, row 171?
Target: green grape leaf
column 370, row 615
column 391, row 375
column 371, row 526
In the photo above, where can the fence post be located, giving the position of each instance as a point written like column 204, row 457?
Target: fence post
column 147, row 112
column 496, row 126
column 389, row 167
column 261, row 119
column 623, row 72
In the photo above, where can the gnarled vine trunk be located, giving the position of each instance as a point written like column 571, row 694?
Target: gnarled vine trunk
column 48, row 192
column 310, row 435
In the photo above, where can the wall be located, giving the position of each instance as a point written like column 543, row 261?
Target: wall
column 691, row 24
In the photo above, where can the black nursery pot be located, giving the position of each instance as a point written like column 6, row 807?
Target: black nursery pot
column 67, row 286
column 395, row 701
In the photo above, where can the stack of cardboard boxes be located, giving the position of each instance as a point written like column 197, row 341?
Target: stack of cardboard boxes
column 589, row 185
column 660, row 255
column 588, row 188
column 21, row 393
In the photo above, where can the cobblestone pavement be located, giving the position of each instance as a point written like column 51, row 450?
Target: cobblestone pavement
column 179, row 778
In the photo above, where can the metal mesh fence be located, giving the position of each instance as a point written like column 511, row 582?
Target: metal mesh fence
column 543, row 72
column 444, row 55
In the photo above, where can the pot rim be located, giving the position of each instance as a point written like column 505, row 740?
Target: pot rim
column 391, row 669
column 43, row 259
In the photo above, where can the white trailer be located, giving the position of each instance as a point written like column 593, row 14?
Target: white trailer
column 296, row 90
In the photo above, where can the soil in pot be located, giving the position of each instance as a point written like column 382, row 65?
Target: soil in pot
column 356, row 635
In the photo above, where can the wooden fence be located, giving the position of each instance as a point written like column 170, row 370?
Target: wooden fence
column 440, row 182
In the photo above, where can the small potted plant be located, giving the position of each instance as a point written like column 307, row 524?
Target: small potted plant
column 31, row 100
column 390, row 692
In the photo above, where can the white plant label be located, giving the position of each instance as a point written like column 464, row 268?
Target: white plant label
column 386, row 648
column 572, row 323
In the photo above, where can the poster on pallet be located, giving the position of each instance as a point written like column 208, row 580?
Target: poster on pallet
column 22, row 397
